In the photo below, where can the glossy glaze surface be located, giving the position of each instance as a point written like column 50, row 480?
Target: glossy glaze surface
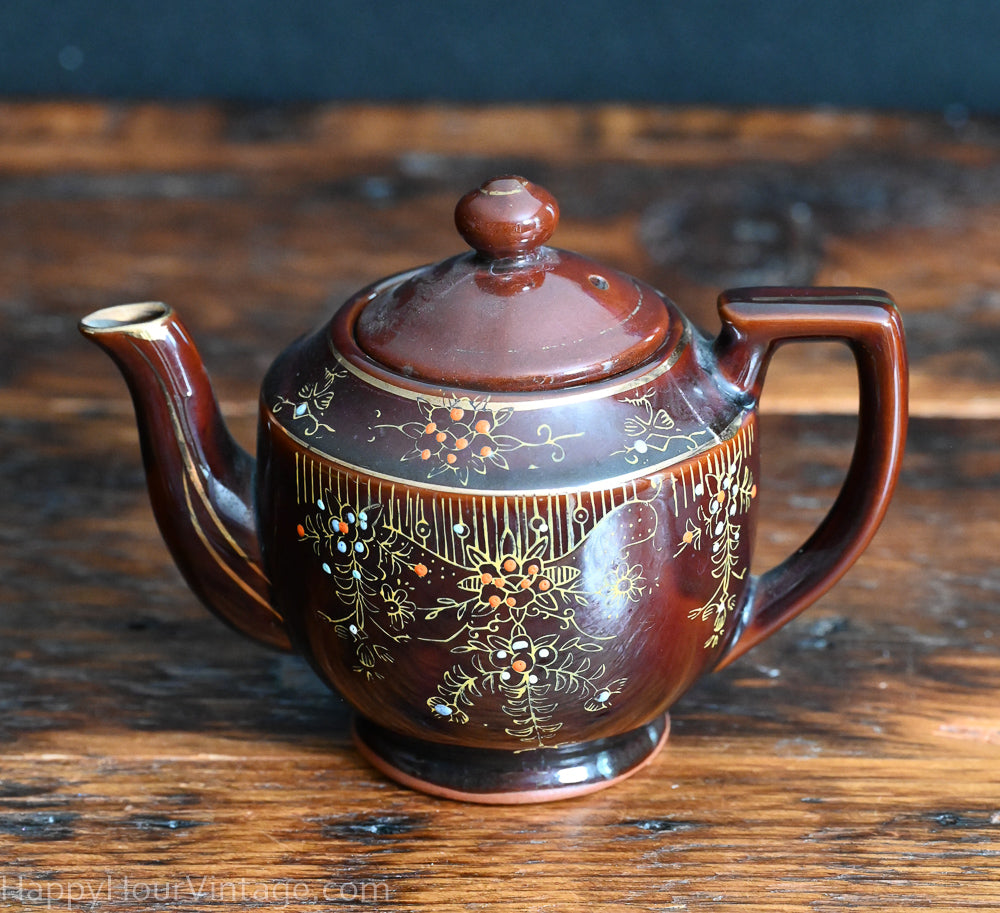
column 514, row 314
column 519, row 620
column 492, row 777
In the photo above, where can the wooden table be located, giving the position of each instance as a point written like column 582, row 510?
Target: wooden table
column 149, row 756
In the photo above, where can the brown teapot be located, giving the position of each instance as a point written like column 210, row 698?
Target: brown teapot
column 506, row 504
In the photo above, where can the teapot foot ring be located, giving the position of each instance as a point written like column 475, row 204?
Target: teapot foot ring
column 498, row 777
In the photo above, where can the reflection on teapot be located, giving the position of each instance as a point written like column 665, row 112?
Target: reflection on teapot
column 506, row 504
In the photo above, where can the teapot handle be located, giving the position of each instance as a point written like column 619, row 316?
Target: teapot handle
column 754, row 323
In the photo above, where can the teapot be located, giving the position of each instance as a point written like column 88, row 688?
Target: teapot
column 505, row 504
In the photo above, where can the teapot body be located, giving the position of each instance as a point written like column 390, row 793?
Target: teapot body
column 506, row 571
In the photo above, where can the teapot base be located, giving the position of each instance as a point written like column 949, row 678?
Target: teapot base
column 498, row 777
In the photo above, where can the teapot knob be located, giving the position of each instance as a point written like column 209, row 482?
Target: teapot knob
column 507, row 217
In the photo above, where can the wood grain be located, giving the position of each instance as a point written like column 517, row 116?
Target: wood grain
column 147, row 754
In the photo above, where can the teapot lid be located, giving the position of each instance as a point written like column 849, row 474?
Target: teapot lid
column 513, row 314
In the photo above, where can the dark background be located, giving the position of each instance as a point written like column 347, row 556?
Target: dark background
column 941, row 55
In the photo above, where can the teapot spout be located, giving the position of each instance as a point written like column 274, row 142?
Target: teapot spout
column 201, row 482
